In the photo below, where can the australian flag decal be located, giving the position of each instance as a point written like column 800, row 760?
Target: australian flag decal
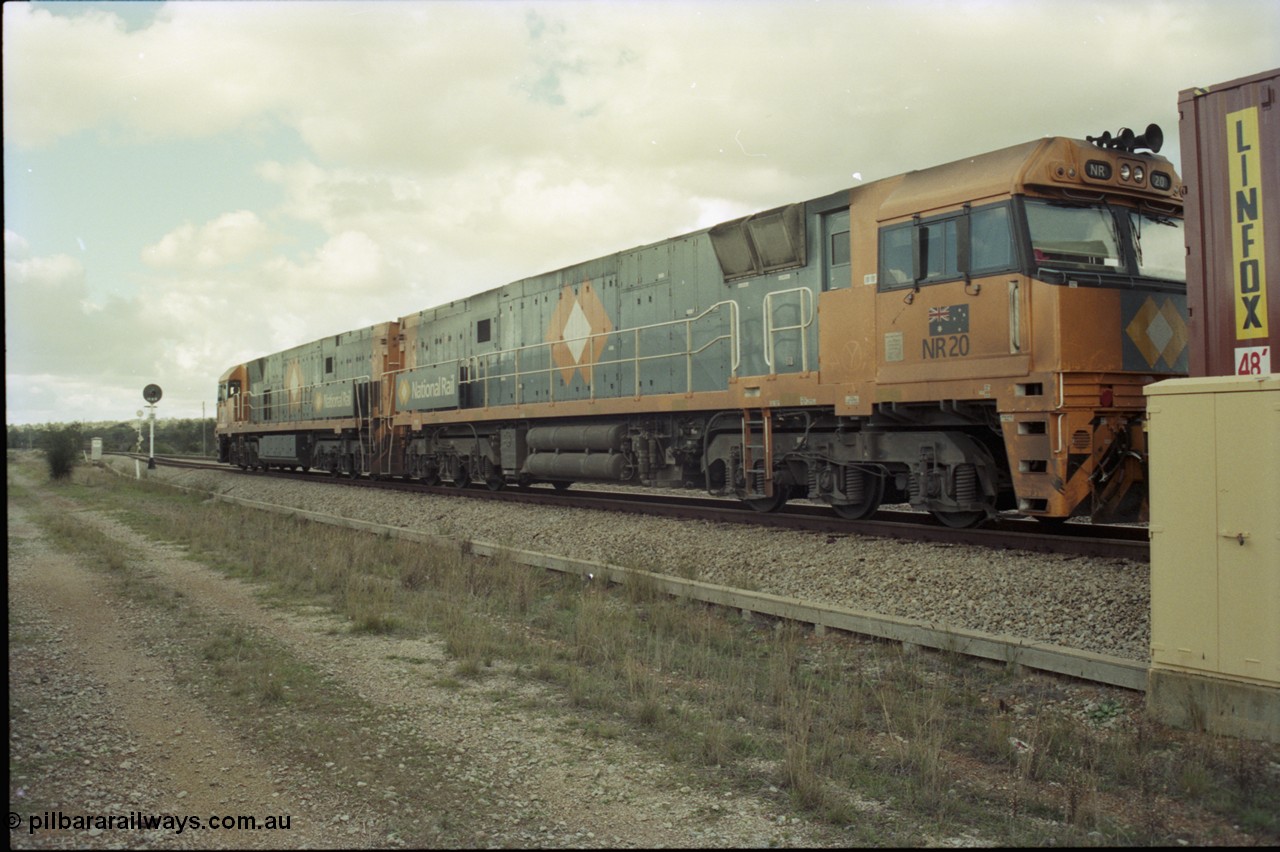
column 950, row 319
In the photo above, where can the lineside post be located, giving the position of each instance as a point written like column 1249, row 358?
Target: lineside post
column 152, row 394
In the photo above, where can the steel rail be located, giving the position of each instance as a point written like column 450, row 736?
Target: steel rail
column 1006, row 533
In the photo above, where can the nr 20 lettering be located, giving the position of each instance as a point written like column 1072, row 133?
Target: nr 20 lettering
column 952, row 346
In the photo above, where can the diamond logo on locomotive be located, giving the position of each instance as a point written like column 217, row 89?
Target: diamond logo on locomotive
column 578, row 330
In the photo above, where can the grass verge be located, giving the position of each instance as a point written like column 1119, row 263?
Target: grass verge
column 891, row 746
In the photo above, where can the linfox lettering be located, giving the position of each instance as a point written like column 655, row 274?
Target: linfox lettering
column 1247, row 205
column 1250, row 271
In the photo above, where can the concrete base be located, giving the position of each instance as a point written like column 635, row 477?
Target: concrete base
column 1204, row 703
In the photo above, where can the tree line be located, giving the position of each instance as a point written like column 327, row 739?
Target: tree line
column 173, row 436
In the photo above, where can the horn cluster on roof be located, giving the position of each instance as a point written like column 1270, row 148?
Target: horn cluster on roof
column 1126, row 141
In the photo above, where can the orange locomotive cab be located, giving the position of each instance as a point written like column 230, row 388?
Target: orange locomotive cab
column 232, row 408
column 1021, row 301
column 1105, row 236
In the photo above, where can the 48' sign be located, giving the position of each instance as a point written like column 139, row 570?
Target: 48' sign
column 1253, row 360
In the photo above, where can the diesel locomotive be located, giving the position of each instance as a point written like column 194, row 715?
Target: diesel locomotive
column 971, row 338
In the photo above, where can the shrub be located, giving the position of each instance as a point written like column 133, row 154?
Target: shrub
column 62, row 445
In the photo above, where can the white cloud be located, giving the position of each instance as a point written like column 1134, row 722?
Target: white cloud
column 57, row 397
column 433, row 87
column 454, row 147
column 228, row 239
column 52, row 328
column 349, row 261
column 15, row 246
column 38, row 293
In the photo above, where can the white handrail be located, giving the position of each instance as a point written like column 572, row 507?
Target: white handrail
column 476, row 375
column 366, row 414
column 806, row 320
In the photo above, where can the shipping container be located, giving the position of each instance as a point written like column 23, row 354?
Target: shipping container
column 1230, row 135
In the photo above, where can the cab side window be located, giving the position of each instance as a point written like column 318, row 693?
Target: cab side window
column 896, row 266
column 939, row 256
column 992, row 240
column 946, row 248
column 835, row 229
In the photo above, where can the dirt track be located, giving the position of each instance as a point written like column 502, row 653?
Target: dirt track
column 102, row 725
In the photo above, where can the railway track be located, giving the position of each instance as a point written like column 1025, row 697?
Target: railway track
column 1007, row 533
column 1015, row 651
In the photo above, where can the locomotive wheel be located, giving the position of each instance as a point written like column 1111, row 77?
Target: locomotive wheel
column 430, row 477
column 764, row 504
column 561, row 486
column 769, row 504
column 493, row 478
column 872, row 495
column 960, row 520
column 462, row 478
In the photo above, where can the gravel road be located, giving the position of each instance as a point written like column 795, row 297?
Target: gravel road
column 101, row 726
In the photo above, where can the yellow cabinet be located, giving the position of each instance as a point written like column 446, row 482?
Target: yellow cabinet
column 1215, row 526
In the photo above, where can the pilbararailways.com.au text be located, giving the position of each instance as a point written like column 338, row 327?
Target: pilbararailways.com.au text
column 139, row 821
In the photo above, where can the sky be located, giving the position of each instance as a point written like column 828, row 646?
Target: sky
column 188, row 185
